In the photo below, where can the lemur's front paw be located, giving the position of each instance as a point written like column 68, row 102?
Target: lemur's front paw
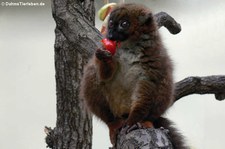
column 103, row 55
column 114, row 128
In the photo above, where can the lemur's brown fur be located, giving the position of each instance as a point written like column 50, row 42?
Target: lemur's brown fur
column 136, row 84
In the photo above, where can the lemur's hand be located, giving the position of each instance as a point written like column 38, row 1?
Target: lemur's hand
column 103, row 55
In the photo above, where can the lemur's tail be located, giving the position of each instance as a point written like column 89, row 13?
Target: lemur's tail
column 176, row 137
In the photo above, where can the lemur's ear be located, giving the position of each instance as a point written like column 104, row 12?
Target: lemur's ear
column 146, row 19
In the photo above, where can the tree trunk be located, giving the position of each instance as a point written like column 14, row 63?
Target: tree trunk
column 74, row 27
column 76, row 39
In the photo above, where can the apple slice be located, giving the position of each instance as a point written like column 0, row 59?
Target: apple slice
column 105, row 10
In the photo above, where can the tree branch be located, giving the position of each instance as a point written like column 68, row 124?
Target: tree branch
column 50, row 137
column 201, row 85
column 163, row 19
column 140, row 137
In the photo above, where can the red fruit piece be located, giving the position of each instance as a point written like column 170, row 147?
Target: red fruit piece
column 109, row 45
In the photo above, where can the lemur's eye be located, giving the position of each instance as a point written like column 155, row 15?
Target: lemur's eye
column 110, row 24
column 124, row 24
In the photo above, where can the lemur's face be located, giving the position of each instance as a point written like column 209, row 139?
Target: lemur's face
column 126, row 21
column 118, row 25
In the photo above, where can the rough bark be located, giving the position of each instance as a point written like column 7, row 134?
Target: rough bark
column 201, row 85
column 74, row 29
column 143, row 138
column 76, row 39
